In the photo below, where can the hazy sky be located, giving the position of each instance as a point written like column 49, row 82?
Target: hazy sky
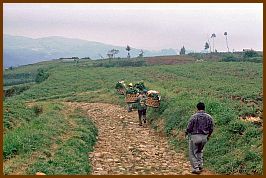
column 148, row 26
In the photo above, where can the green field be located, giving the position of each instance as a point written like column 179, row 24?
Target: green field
column 230, row 90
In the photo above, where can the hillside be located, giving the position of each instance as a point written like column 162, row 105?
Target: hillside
column 20, row 50
column 232, row 92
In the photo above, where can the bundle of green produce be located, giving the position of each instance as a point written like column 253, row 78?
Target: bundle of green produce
column 120, row 85
column 132, row 91
column 140, row 86
column 153, row 94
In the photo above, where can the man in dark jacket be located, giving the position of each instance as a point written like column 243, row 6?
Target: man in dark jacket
column 199, row 129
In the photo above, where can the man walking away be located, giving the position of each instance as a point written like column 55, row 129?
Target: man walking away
column 199, row 129
column 142, row 107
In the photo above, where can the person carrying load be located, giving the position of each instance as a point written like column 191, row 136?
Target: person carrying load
column 130, row 88
column 142, row 107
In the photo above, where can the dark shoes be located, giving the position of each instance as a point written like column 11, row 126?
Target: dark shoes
column 145, row 124
column 196, row 171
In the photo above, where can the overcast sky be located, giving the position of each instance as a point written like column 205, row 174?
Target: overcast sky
column 148, row 26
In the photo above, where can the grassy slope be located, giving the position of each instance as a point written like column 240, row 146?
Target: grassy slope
column 236, row 146
column 46, row 137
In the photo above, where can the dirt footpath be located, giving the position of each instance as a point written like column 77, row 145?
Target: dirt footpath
column 124, row 147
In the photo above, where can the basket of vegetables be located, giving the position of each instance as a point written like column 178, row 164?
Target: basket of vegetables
column 131, row 98
column 131, row 95
column 120, row 87
column 153, row 99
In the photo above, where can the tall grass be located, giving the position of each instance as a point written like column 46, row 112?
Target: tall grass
column 49, row 142
column 229, row 90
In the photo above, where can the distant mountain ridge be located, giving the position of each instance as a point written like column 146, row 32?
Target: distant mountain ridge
column 19, row 50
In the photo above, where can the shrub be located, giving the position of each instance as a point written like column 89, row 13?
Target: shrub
column 41, row 76
column 251, row 53
column 252, row 156
column 237, row 127
column 230, row 58
column 37, row 109
column 252, row 133
column 16, row 90
column 18, row 78
column 254, row 59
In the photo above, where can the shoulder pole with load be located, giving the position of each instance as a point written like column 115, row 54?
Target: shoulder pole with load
column 131, row 94
column 153, row 99
column 120, row 87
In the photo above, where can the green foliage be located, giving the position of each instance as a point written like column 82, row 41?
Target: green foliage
column 250, row 54
column 132, row 91
column 140, row 86
column 16, row 90
column 16, row 113
column 24, row 139
column 71, row 158
column 30, row 136
column 45, row 136
column 12, row 78
column 41, row 76
column 27, row 73
column 252, row 133
column 254, row 59
column 229, row 58
column 181, row 87
column 119, row 85
column 237, row 127
column 154, row 96
column 235, row 159
column 37, row 109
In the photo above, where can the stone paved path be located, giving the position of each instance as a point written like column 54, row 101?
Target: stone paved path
column 124, row 147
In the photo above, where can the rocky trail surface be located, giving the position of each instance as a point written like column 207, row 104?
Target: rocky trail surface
column 124, row 147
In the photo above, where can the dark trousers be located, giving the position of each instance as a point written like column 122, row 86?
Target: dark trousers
column 129, row 107
column 196, row 145
column 142, row 113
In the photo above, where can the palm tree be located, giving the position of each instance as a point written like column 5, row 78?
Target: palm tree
column 213, row 36
column 141, row 53
column 114, row 52
column 207, row 46
column 110, row 54
column 182, row 51
column 128, row 49
column 225, row 34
